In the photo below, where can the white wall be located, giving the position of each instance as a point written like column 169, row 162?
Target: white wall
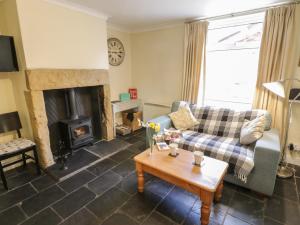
column 48, row 36
column 7, row 103
column 13, row 83
column 121, row 76
column 2, row 19
column 58, row 37
column 157, row 67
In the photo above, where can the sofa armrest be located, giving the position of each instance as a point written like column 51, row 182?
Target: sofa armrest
column 267, row 149
column 266, row 158
column 164, row 121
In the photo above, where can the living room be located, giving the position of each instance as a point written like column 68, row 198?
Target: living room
column 149, row 112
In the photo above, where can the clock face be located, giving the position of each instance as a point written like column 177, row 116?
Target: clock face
column 116, row 51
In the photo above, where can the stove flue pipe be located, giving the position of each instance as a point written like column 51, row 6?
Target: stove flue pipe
column 72, row 104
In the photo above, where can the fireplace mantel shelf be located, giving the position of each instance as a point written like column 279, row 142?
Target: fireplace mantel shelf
column 47, row 79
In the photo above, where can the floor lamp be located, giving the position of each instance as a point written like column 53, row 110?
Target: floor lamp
column 279, row 88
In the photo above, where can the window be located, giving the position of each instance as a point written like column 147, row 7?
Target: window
column 232, row 61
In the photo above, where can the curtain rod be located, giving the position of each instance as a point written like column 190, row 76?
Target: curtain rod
column 246, row 12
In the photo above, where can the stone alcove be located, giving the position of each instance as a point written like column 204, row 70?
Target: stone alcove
column 39, row 80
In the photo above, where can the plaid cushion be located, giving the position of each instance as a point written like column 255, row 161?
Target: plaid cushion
column 220, row 121
column 239, row 157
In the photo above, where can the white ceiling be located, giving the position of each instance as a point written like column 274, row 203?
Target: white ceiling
column 135, row 15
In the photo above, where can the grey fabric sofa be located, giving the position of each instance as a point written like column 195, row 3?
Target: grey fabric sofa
column 266, row 157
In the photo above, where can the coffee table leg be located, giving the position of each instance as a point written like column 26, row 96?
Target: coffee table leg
column 206, row 199
column 218, row 193
column 140, row 177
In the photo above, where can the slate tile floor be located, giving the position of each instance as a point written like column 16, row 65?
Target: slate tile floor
column 106, row 194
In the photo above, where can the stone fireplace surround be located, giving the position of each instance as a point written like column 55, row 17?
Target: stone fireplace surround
column 39, row 80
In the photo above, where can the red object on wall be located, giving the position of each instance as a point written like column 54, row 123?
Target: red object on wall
column 133, row 93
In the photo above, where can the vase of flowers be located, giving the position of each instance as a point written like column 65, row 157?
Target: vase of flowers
column 151, row 130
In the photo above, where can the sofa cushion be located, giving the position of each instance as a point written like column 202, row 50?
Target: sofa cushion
column 252, row 130
column 240, row 157
column 183, row 119
column 268, row 117
column 220, row 121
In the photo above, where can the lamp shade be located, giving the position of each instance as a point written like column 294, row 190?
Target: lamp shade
column 276, row 87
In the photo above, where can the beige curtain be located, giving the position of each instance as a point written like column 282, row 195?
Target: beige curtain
column 194, row 59
column 277, row 60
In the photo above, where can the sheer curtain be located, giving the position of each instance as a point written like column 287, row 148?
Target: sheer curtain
column 194, row 59
column 277, row 60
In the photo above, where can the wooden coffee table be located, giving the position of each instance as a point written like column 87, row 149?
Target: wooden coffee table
column 205, row 181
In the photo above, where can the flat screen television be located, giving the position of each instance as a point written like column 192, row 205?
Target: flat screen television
column 8, row 57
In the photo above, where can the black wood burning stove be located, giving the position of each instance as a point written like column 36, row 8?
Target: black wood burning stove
column 76, row 131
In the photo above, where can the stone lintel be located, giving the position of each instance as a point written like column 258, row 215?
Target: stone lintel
column 47, row 79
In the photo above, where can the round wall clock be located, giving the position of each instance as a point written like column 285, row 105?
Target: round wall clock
column 116, row 51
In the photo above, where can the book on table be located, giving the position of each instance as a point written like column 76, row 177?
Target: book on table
column 162, row 146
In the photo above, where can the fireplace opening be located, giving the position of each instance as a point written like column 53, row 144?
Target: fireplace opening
column 76, row 131
column 81, row 131
column 74, row 117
